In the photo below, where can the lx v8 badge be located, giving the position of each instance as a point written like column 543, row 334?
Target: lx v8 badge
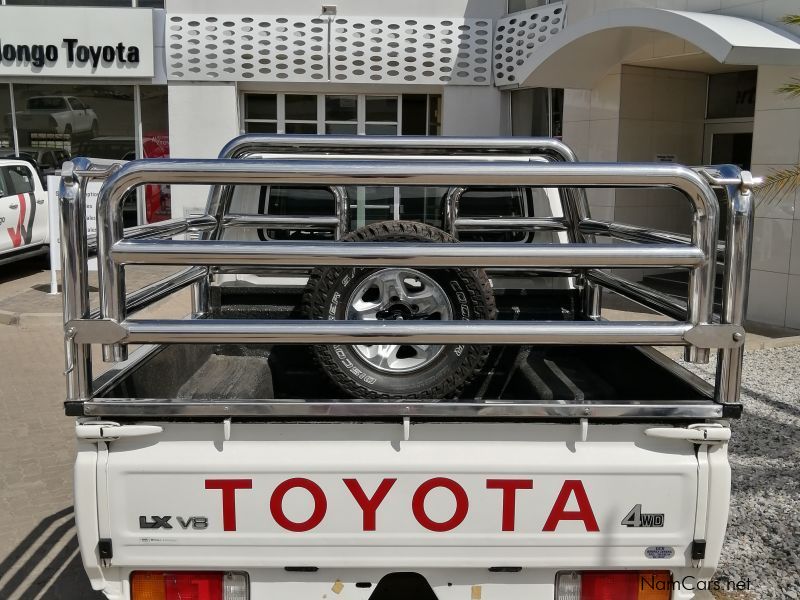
column 636, row 518
column 156, row 522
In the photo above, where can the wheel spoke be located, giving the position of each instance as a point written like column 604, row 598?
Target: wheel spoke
column 364, row 309
column 427, row 302
column 387, row 355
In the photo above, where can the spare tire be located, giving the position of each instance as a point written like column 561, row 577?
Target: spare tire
column 399, row 371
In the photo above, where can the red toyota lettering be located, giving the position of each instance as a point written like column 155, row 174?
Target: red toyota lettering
column 418, row 504
column 584, row 512
column 509, row 487
column 229, row 487
column 369, row 506
column 320, row 504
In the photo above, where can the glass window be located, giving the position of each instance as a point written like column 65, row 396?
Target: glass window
column 415, row 114
column 260, row 127
column 261, row 106
column 537, row 112
column 155, row 144
column 518, row 5
column 370, row 204
column 297, row 201
column 341, row 108
column 731, row 95
column 381, row 109
column 307, row 128
column 381, row 115
column 99, row 3
column 422, row 204
column 6, row 129
column 342, row 114
column 99, row 125
column 301, row 107
column 18, row 180
column 341, row 128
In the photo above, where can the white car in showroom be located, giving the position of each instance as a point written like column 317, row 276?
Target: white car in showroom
column 66, row 115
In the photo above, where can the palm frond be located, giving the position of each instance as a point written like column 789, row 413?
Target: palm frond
column 778, row 184
column 791, row 19
column 791, row 89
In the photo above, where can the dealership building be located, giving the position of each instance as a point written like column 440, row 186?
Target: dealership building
column 689, row 81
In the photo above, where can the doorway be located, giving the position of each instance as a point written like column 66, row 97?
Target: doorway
column 728, row 143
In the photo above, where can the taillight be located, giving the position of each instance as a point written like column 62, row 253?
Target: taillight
column 614, row 585
column 189, row 585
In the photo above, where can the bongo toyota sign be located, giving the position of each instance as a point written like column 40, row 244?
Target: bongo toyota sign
column 64, row 42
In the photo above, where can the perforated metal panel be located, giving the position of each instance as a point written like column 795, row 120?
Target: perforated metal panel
column 396, row 50
column 518, row 35
column 246, row 48
column 218, row 47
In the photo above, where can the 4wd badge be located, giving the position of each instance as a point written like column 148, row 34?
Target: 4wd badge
column 636, row 518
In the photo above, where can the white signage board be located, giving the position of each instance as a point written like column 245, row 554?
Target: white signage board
column 53, row 202
column 76, row 42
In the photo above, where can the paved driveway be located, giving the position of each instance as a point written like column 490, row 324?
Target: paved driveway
column 38, row 547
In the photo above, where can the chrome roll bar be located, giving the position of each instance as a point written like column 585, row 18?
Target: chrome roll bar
column 335, row 162
column 406, row 172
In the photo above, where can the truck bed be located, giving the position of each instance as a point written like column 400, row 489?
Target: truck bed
column 187, row 375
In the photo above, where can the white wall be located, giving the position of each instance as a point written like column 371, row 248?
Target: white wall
column 202, row 119
column 473, row 110
column 411, row 8
column 775, row 278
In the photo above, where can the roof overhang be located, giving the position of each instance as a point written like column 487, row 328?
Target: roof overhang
column 582, row 53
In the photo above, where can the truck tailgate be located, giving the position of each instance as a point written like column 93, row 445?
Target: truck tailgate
column 453, row 494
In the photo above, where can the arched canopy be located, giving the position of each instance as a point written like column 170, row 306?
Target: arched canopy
column 582, row 53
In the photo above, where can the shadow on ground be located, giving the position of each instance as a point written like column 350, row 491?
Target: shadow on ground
column 46, row 564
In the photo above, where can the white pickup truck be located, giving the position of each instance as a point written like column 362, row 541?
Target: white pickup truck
column 434, row 408
column 23, row 211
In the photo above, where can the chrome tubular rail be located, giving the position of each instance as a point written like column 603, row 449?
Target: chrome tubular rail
column 334, row 162
column 74, row 276
column 158, row 290
column 396, row 254
column 113, row 252
column 736, row 276
column 575, row 204
column 641, row 294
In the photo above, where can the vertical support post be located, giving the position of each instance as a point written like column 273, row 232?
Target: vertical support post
column 736, row 281
column 342, row 211
column 14, row 130
column 141, row 206
column 111, row 275
column 450, row 210
column 200, row 297
column 75, row 281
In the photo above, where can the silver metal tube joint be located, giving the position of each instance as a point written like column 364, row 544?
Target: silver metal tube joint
column 736, row 280
column 74, row 279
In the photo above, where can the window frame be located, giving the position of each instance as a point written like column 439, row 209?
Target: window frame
column 9, row 182
column 280, row 121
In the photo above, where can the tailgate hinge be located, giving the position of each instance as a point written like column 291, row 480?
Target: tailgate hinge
column 107, row 431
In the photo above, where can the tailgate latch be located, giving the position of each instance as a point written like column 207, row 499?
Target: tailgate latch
column 107, row 431
column 699, row 433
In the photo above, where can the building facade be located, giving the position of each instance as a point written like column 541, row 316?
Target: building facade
column 692, row 81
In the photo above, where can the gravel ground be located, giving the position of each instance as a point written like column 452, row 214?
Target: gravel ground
column 763, row 536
